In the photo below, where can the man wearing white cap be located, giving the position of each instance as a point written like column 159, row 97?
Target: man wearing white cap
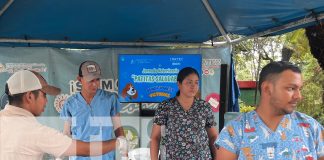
column 22, row 137
column 92, row 114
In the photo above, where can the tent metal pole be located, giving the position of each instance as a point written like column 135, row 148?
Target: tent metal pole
column 6, row 6
column 216, row 20
column 152, row 44
column 280, row 28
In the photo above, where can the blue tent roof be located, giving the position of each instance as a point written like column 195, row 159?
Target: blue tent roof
column 33, row 22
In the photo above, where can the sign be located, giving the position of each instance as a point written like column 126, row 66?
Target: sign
column 152, row 77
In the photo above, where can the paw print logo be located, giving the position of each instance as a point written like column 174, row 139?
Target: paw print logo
column 59, row 101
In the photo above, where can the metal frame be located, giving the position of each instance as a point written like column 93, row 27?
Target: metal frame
column 216, row 21
column 151, row 44
column 6, row 6
column 312, row 18
column 306, row 20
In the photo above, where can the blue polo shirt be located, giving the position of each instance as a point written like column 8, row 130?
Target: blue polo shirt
column 92, row 122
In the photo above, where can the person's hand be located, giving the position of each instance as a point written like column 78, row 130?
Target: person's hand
column 122, row 146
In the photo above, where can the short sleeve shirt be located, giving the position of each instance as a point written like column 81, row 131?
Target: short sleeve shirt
column 22, row 137
column 92, row 122
column 185, row 131
column 298, row 136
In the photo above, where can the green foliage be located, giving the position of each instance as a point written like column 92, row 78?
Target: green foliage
column 251, row 55
column 245, row 108
column 312, row 103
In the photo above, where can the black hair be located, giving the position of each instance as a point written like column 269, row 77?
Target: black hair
column 16, row 99
column 184, row 73
column 274, row 68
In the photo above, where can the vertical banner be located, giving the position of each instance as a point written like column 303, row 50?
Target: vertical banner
column 211, row 72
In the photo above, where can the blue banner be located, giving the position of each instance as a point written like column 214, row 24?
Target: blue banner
column 152, row 77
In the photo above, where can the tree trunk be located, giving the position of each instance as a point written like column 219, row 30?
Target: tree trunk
column 315, row 35
column 286, row 53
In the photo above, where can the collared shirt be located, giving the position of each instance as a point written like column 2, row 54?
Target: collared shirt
column 185, row 131
column 22, row 137
column 92, row 122
column 298, row 136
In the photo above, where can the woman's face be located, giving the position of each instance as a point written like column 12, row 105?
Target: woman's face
column 189, row 86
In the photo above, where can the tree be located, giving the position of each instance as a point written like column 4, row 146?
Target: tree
column 253, row 54
column 313, row 74
column 315, row 35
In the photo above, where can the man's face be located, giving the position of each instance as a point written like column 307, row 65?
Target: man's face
column 90, row 86
column 285, row 92
column 40, row 102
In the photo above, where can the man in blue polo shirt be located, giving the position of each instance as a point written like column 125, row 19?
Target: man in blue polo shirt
column 92, row 114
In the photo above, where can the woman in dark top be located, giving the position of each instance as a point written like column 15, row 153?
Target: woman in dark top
column 184, row 125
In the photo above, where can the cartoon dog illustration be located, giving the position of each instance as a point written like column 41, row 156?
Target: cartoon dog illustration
column 129, row 92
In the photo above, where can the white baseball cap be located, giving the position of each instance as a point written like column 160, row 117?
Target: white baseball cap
column 25, row 80
column 89, row 70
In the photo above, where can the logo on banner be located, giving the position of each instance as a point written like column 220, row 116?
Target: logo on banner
column 209, row 66
column 59, row 101
column 213, row 100
column 129, row 92
column 14, row 67
column 209, row 71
